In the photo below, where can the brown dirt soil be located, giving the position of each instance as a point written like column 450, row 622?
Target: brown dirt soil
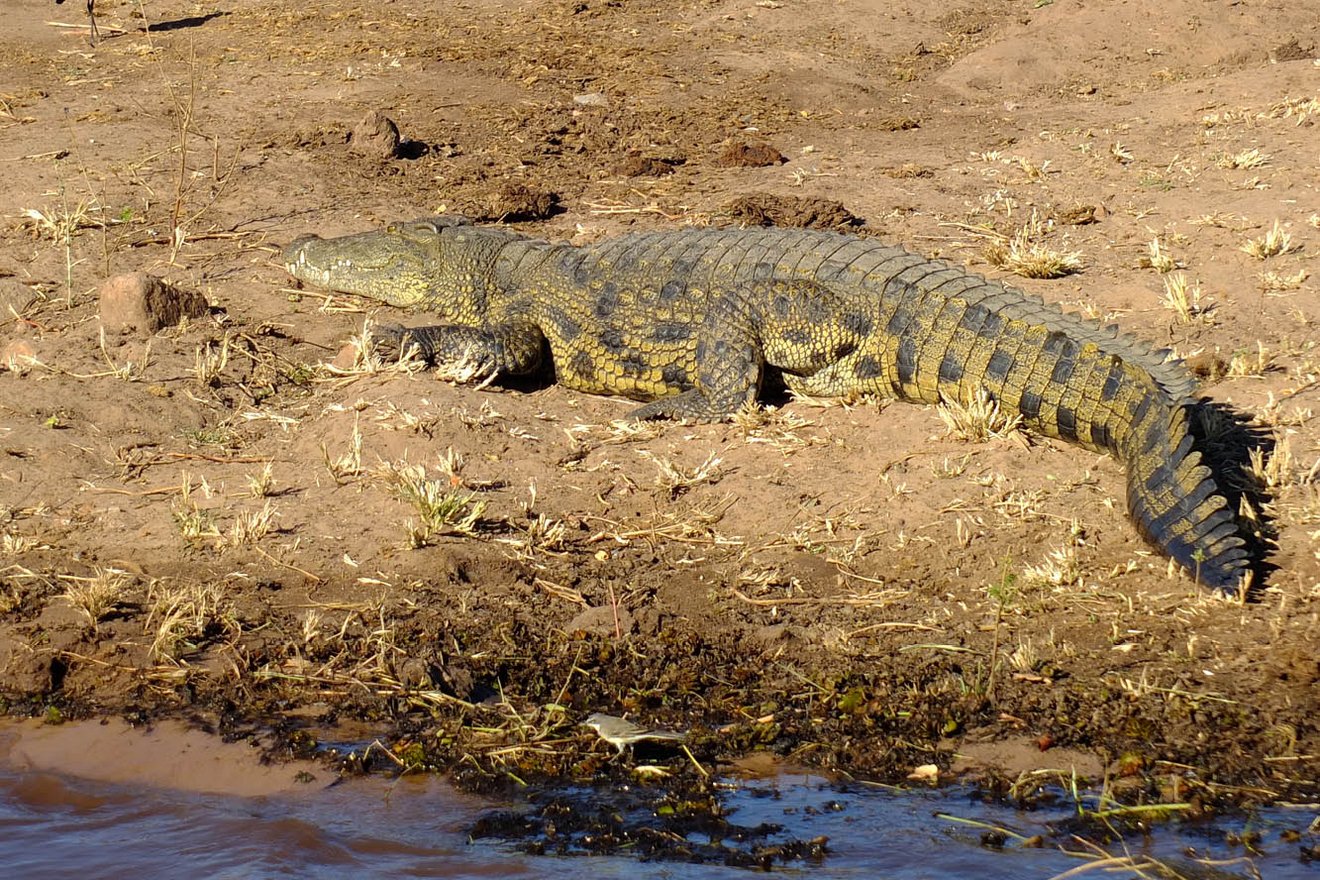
column 846, row 585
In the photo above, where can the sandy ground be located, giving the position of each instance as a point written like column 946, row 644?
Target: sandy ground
column 211, row 522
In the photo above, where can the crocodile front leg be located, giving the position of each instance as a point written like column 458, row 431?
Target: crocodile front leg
column 513, row 349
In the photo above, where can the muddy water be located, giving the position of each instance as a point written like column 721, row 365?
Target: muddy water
column 102, row 801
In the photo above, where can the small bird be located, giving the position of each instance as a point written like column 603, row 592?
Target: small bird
column 91, row 17
column 622, row 733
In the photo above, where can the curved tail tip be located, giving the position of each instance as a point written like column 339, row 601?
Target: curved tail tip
column 1232, row 576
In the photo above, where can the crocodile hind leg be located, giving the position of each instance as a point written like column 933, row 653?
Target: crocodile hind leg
column 729, row 362
column 800, row 326
column 728, row 377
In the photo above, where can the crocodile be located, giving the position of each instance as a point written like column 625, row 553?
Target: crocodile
column 689, row 321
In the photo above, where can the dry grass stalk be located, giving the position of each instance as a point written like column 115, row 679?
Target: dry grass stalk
column 250, row 526
column 1279, row 471
column 1244, row 363
column 618, row 431
column 180, row 613
column 675, row 480
column 261, row 485
column 1158, row 259
column 348, row 464
column 1271, row 244
column 441, row 508
column 1025, row 255
column 1184, row 299
column 1060, row 568
column 1252, row 158
column 95, row 596
column 1273, row 281
column 13, row 544
column 193, row 522
column 369, row 355
column 210, row 360
column 1300, row 108
column 61, row 224
column 977, row 420
column 775, row 427
column 543, row 535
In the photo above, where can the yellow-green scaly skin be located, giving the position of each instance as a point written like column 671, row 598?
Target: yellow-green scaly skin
column 689, row 320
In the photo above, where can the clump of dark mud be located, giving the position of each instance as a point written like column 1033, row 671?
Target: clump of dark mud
column 519, row 203
column 765, row 209
column 681, row 821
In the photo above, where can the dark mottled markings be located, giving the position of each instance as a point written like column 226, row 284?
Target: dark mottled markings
column 973, row 317
column 1000, row 364
column 566, row 327
column 1029, row 405
column 1063, row 370
column 1056, row 341
column 1138, row 417
column 672, row 290
column 856, row 323
column 611, row 340
column 671, row 331
column 951, row 368
column 907, row 359
column 607, row 300
column 582, row 364
column 1101, row 435
column 1113, row 381
column 817, row 309
column 899, row 321
column 782, row 305
column 844, row 349
column 582, row 272
column 633, row 364
column 763, row 270
column 992, row 327
column 867, row 368
column 797, row 336
column 1067, row 423
column 676, row 376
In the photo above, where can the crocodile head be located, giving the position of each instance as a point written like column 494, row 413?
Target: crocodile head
column 404, row 264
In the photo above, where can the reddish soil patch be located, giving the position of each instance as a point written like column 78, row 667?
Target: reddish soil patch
column 208, row 520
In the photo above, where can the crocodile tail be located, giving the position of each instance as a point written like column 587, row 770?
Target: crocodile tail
column 1173, row 497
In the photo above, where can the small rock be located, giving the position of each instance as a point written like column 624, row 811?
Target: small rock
column 17, row 355
column 375, row 135
column 145, row 303
column 346, row 358
column 591, row 99
column 744, row 155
